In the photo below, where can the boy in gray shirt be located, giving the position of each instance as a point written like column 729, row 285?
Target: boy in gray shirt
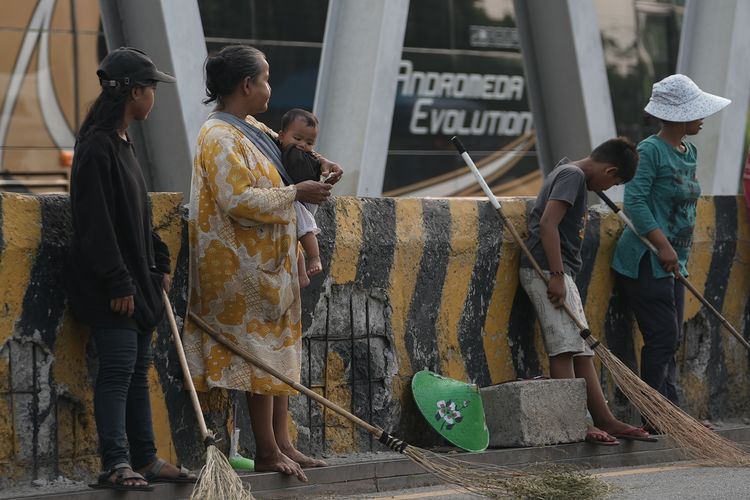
column 556, row 227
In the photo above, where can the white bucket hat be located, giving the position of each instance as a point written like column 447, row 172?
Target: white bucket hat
column 678, row 99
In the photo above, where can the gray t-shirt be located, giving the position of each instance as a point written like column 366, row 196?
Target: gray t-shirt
column 566, row 183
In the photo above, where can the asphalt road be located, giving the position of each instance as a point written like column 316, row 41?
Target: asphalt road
column 677, row 481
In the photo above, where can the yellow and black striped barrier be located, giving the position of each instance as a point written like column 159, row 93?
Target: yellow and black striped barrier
column 408, row 284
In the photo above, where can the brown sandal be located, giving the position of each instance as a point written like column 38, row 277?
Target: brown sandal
column 152, row 474
column 123, row 472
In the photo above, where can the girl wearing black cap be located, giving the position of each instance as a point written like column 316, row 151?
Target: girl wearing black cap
column 118, row 266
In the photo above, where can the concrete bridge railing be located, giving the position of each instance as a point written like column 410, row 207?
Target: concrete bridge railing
column 408, row 284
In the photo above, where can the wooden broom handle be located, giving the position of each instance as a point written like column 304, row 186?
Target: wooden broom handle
column 252, row 359
column 517, row 237
column 536, row 266
column 185, row 370
column 679, row 277
column 711, row 308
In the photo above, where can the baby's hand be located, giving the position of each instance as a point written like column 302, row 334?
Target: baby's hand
column 330, row 171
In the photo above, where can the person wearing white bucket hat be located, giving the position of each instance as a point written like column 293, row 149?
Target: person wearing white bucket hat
column 661, row 201
column 678, row 99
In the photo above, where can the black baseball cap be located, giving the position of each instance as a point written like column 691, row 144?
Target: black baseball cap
column 127, row 66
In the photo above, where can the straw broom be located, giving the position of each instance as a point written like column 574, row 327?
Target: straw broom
column 479, row 478
column 679, row 277
column 697, row 441
column 216, row 480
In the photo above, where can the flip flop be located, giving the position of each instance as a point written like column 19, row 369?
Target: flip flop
column 599, row 438
column 635, row 434
column 123, row 473
column 650, row 429
column 152, row 474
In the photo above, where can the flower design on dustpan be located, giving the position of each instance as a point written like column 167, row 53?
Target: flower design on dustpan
column 449, row 414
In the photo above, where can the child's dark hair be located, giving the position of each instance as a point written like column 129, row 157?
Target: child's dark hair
column 621, row 153
column 108, row 110
column 226, row 69
column 293, row 114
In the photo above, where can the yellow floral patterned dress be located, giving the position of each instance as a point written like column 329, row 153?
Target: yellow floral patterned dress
column 243, row 264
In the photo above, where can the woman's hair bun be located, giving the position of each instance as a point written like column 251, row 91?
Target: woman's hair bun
column 226, row 69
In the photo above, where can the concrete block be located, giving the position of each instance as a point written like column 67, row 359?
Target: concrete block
column 359, row 313
column 535, row 412
column 22, row 366
column 7, row 434
column 5, row 369
column 340, row 309
column 313, row 363
column 24, row 416
column 377, row 315
column 370, row 359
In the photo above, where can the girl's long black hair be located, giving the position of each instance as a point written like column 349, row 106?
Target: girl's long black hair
column 108, row 110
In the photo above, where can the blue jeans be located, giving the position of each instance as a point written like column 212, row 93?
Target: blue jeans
column 121, row 400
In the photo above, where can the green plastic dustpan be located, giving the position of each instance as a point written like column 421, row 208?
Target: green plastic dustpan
column 453, row 408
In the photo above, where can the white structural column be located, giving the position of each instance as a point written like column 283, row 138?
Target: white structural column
column 566, row 77
column 356, row 89
column 171, row 33
column 715, row 53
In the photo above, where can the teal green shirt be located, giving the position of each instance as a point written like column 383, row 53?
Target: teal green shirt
column 663, row 194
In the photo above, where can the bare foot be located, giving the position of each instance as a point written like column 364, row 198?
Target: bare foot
column 303, row 460
column 600, row 437
column 278, row 462
column 304, row 281
column 314, row 266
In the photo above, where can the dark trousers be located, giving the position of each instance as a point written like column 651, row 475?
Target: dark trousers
column 658, row 305
column 121, row 401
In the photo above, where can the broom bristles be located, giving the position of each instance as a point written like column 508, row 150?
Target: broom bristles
column 217, row 480
column 498, row 481
column 693, row 437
